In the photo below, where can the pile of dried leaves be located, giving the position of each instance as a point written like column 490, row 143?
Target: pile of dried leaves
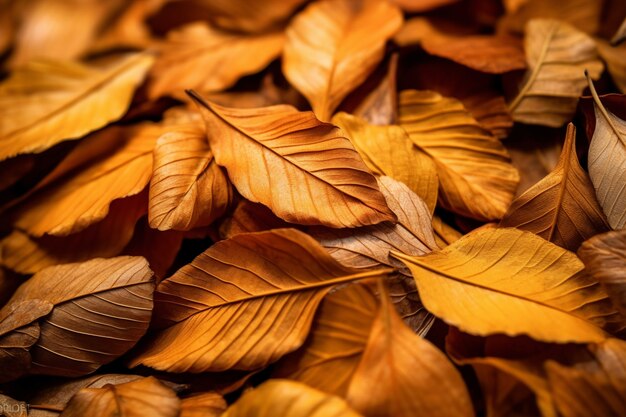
column 292, row 208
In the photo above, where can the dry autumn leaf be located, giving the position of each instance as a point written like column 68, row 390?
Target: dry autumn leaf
column 557, row 54
column 333, row 45
column 100, row 310
column 605, row 259
column 207, row 59
column 248, row 290
column 388, row 150
column 288, row 399
column 335, row 188
column 615, row 59
column 187, row 188
column 475, row 176
column 562, row 208
column 528, row 281
column 146, row 396
column 46, row 102
column 209, row 404
column 607, row 162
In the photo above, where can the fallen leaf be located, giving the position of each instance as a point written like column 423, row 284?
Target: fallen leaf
column 557, row 54
column 444, row 233
column 146, row 396
column 620, row 35
column 607, row 162
column 561, row 208
column 113, row 163
column 594, row 390
column 335, row 188
column 388, row 150
column 107, row 238
column 288, row 399
column 250, row 217
column 348, row 42
column 187, row 188
column 47, row 102
column 370, row 246
column 198, row 56
column 614, row 58
column 475, row 176
column 604, row 257
column 243, row 303
column 397, row 364
column 101, row 309
column 209, row 404
column 523, row 282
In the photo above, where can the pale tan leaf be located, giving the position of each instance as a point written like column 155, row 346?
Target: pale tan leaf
column 142, row 397
column 388, row 150
column 187, row 189
column 525, row 284
column 396, row 365
column 305, row 171
column 288, row 399
column 561, row 208
column 207, row 59
column 607, row 162
column 475, row 176
column 333, row 45
column 107, row 238
column 605, row 259
column 243, row 303
column 101, row 308
column 113, row 163
column 47, row 102
column 557, row 55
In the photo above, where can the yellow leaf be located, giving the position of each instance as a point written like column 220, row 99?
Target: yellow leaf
column 288, row 399
column 388, row 150
column 304, row 170
column 47, row 102
column 475, row 175
column 557, row 55
column 512, row 282
column 333, row 45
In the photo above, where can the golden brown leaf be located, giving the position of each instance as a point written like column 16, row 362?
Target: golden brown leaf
column 525, row 285
column 486, row 53
column 388, row 150
column 615, row 59
column 101, row 308
column 305, row 171
column 607, row 162
column 27, row 255
column 396, row 365
column 421, row 5
column 475, row 176
column 592, row 390
column 561, row 208
column 250, row 217
column 333, row 45
column 207, row 59
column 242, row 15
column 557, row 54
column 142, row 397
column 288, row 399
column 59, row 29
column 243, row 303
column 187, row 188
column 47, row 102
column 209, row 404
column 605, row 259
column 113, row 163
